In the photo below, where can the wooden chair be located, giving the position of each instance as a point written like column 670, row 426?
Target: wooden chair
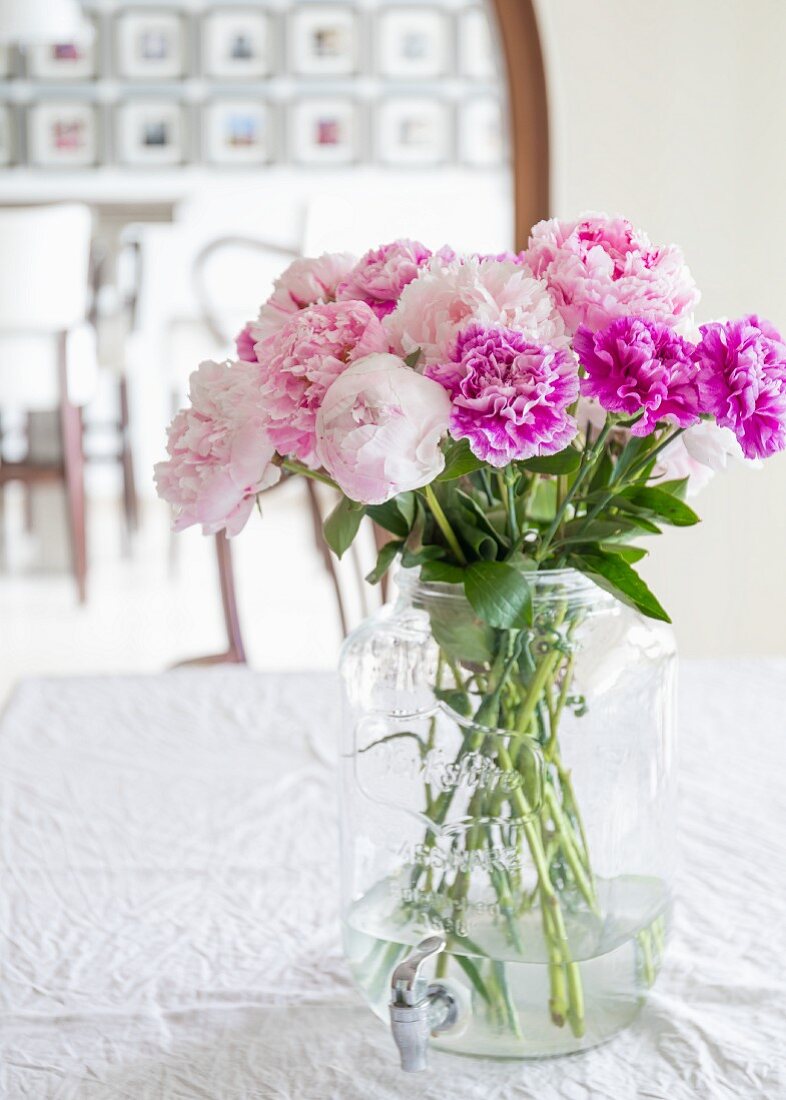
column 47, row 348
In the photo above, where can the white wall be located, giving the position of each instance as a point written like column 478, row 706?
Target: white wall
column 674, row 113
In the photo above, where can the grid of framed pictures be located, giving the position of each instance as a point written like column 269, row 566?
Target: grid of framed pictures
column 312, row 82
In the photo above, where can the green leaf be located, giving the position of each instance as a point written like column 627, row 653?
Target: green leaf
column 385, row 559
column 482, row 517
column 631, row 453
column 500, row 594
column 342, row 524
column 564, row 462
column 456, row 700
column 678, row 487
column 459, row 461
column 421, row 554
column 412, row 359
column 395, row 515
column 612, row 573
column 460, row 633
column 662, row 504
column 442, row 572
column 604, row 470
column 630, row 554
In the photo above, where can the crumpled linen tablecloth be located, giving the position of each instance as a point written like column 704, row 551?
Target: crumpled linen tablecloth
column 168, row 904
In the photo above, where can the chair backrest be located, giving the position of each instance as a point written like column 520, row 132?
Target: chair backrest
column 232, row 276
column 44, row 266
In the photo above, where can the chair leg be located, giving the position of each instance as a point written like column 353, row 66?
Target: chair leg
column 74, row 476
column 130, row 503
column 324, row 552
column 236, row 652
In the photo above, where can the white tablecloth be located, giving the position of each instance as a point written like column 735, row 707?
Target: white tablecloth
column 168, row 904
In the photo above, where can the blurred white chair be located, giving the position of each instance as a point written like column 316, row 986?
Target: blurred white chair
column 47, row 348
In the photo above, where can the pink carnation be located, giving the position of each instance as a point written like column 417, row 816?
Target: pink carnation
column 300, row 361
column 509, row 395
column 220, row 455
column 305, row 282
column 600, row 268
column 448, row 296
column 379, row 277
column 742, row 381
column 634, row 365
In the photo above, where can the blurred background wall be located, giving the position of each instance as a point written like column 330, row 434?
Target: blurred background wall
column 673, row 113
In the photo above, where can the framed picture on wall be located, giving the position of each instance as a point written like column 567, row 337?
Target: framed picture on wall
column 413, row 42
column 482, row 140
column 478, row 53
column 237, row 131
column 324, row 131
column 323, row 40
column 62, row 134
column 236, row 43
column 150, row 44
column 150, row 133
column 66, row 60
column 6, row 135
column 413, row 130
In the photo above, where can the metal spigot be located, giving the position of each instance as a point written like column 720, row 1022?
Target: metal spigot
column 419, row 1009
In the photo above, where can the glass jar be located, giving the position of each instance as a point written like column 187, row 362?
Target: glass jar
column 514, row 791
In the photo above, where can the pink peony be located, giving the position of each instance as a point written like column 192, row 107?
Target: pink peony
column 300, row 361
column 244, row 343
column 601, row 268
column 379, row 429
column 448, row 296
column 379, row 277
column 305, row 282
column 742, row 381
column 220, row 455
column 509, row 395
column 634, row 365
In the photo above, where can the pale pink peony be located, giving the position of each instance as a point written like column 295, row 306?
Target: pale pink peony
column 600, row 268
column 510, row 396
column 300, row 361
column 379, row 276
column 698, row 454
column 305, row 282
column 379, row 429
column 220, row 455
column 448, row 296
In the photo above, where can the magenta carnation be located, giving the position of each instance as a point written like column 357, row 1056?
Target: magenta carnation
column 601, row 268
column 307, row 281
column 379, row 277
column 742, row 382
column 299, row 362
column 634, row 365
column 509, row 395
column 220, row 455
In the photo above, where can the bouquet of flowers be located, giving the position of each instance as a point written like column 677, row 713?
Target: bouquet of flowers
column 498, row 416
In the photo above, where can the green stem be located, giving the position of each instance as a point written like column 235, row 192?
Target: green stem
column 298, row 468
column 571, row 493
column 444, row 525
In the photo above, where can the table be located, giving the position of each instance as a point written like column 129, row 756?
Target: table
column 168, row 904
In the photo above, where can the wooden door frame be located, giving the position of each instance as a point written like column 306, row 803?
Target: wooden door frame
column 519, row 38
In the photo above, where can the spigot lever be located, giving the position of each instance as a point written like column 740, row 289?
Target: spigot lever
column 417, row 1009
